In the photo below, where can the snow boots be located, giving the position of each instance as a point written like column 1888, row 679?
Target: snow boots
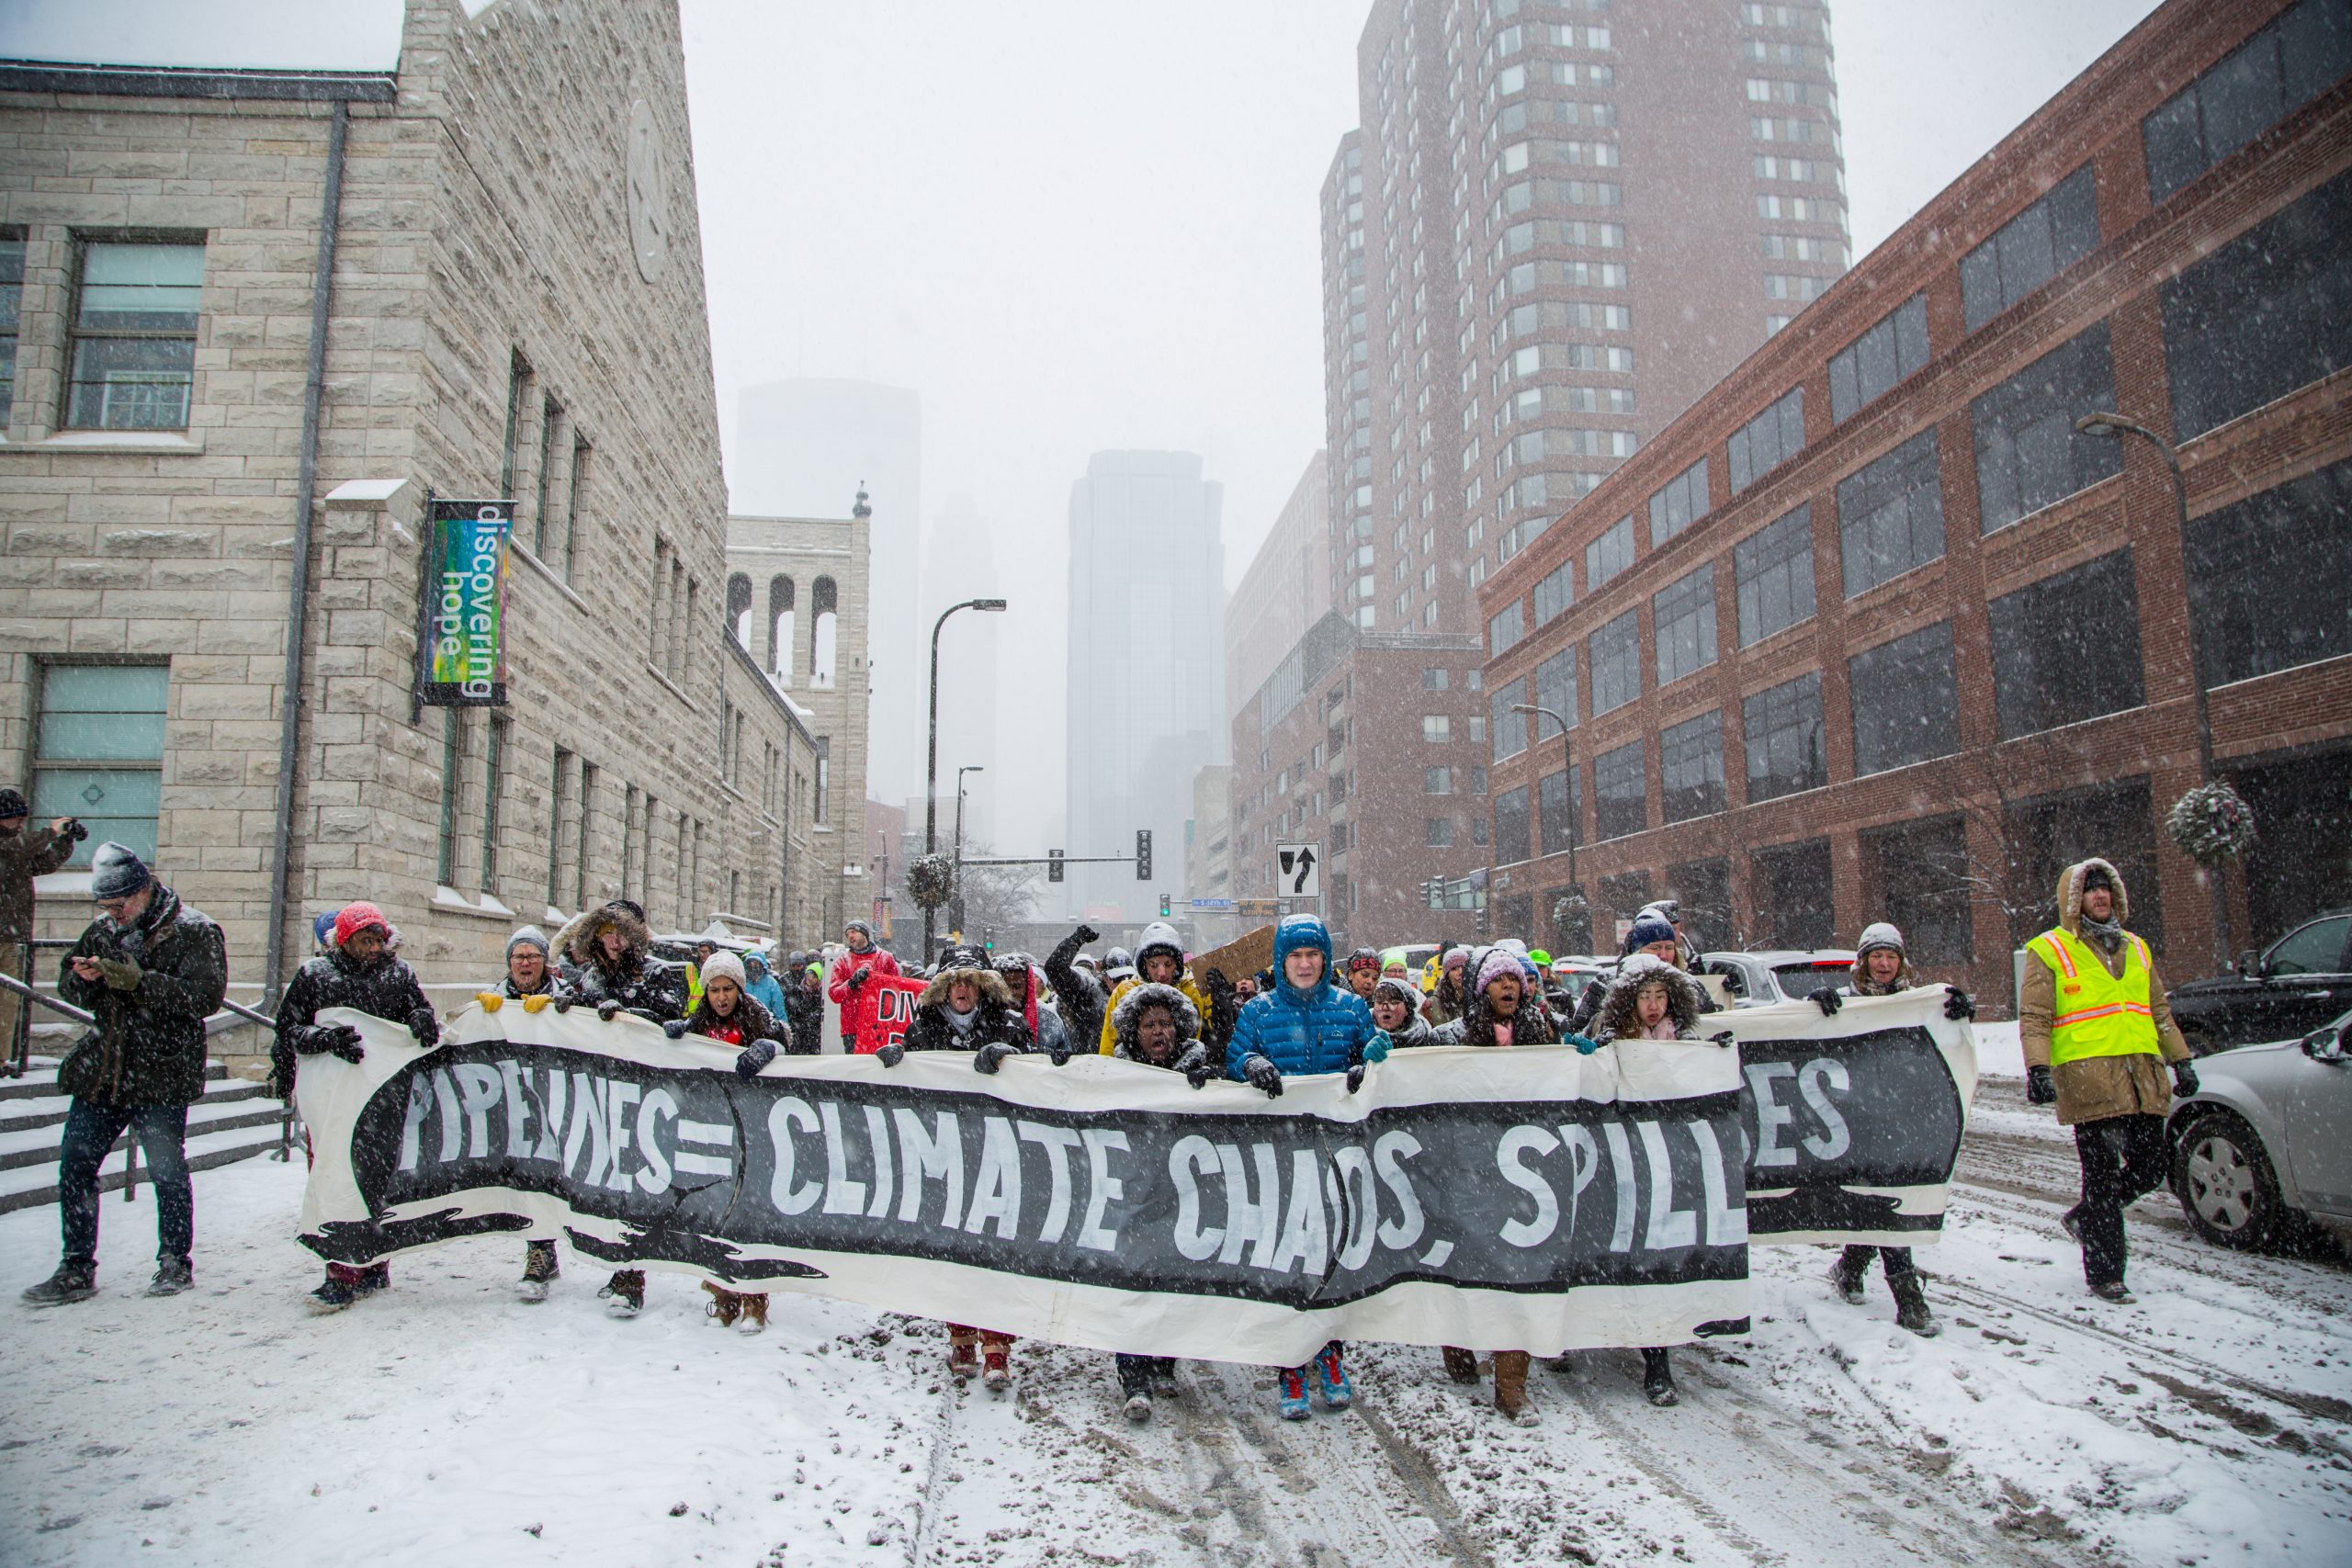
column 1657, row 1378
column 333, row 1295
column 173, row 1275
column 1845, row 1274
column 539, row 1270
column 624, row 1294
column 375, row 1277
column 1138, row 1405
column 2111, row 1290
column 1338, row 1392
column 996, row 1364
column 346, row 1284
column 1460, row 1365
column 1140, row 1377
column 991, row 1350
column 1510, row 1387
column 963, row 1353
column 71, row 1282
column 756, row 1312
column 1290, row 1402
column 1911, row 1304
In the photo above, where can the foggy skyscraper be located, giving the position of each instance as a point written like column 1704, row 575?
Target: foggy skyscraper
column 1147, row 667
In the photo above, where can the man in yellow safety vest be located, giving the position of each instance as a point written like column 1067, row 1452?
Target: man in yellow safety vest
column 2098, row 1034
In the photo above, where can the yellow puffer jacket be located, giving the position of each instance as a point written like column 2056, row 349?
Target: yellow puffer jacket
column 1192, row 993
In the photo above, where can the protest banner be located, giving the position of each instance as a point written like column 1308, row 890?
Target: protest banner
column 883, row 1007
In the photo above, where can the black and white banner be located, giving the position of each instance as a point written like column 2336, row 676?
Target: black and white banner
column 1530, row 1198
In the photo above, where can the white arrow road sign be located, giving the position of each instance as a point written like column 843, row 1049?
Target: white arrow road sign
column 1299, row 870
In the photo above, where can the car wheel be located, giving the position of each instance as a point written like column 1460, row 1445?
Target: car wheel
column 2227, row 1190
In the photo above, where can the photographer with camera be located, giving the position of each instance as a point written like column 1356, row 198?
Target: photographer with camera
column 25, row 853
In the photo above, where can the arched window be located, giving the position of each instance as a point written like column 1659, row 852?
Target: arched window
column 780, row 629
column 738, row 609
column 821, row 627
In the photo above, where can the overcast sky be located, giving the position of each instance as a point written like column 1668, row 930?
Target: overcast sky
column 1077, row 226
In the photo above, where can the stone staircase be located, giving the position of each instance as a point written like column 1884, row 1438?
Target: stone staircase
column 235, row 1120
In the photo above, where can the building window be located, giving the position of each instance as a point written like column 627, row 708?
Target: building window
column 561, row 804
column 550, row 434
column 1681, row 503
column 1555, row 688
column 1509, row 729
column 2269, row 578
column 1437, row 780
column 1554, row 593
column 98, row 752
column 1683, row 613
column 1504, row 628
column 2114, row 821
column 1769, row 440
column 1691, row 768
column 12, row 292
column 1922, row 878
column 1615, row 660
column 738, row 609
column 2027, row 453
column 2262, row 315
column 563, row 550
column 824, row 623
column 1510, row 827
column 2031, row 249
column 1619, row 793
column 1866, row 369
column 1773, row 572
column 1791, row 890
column 1785, row 752
column 1610, row 554
column 1436, row 727
column 1906, row 700
column 586, row 853
column 518, row 399
column 2067, row 649
column 453, row 757
column 2299, row 56
column 134, row 337
column 1434, row 680
column 493, row 790
column 1438, row 833
column 1891, row 515
column 780, row 630
column 1559, row 800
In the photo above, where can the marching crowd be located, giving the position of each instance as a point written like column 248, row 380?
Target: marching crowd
column 2098, row 1042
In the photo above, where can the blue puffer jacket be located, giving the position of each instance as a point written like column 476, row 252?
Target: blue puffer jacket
column 1322, row 1031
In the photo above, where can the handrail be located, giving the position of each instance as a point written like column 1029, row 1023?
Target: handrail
column 58, row 1004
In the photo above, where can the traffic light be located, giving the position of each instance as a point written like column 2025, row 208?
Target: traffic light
column 1163, row 906
column 1143, row 854
column 1053, row 865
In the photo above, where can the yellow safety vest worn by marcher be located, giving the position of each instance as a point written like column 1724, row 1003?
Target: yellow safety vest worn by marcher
column 2096, row 1014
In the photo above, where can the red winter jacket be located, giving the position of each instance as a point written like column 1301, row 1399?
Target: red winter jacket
column 879, row 961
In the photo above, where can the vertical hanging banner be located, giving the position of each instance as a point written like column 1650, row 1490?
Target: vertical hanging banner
column 462, row 636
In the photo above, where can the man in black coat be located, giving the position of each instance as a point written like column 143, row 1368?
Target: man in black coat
column 152, row 970
column 804, row 1004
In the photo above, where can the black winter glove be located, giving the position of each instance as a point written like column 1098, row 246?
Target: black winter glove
column 609, row 1009
column 322, row 1039
column 1828, row 999
column 1262, row 1074
column 347, row 1045
column 1194, row 1064
column 891, row 1055
column 563, row 1000
column 858, row 976
column 753, row 1057
column 1059, row 1053
column 2184, row 1078
column 675, row 1027
column 988, row 1057
column 1087, row 935
column 1723, row 1037
column 1958, row 1004
column 2040, row 1088
column 1355, row 1077
column 425, row 1026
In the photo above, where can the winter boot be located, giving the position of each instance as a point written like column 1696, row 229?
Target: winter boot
column 963, row 1353
column 1163, row 1377
column 1911, row 1304
column 71, row 1282
column 1845, row 1274
column 539, row 1270
column 374, row 1278
column 755, row 1313
column 173, row 1275
column 1338, row 1392
column 1138, row 1405
column 333, row 1295
column 1460, row 1365
column 996, row 1365
column 724, row 1305
column 1657, row 1378
column 1510, row 1387
column 2071, row 1222
column 624, row 1294
column 1291, row 1403
column 2113, row 1291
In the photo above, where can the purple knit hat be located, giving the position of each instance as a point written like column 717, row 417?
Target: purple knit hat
column 1499, row 962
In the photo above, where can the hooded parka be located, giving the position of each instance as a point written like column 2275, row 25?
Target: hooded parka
column 2092, row 1088
column 639, row 982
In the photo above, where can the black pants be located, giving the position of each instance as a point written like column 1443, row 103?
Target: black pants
column 2123, row 1160
column 90, row 1132
column 1135, row 1372
column 1855, row 1261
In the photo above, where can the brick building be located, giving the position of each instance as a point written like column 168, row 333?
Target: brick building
column 514, row 307
column 1871, row 631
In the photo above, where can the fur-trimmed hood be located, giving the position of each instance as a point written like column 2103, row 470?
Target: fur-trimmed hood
column 1684, row 1001
column 2070, row 894
column 583, row 936
column 993, row 990
column 1129, row 1012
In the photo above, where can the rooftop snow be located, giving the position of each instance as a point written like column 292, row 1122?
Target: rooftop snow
column 220, row 34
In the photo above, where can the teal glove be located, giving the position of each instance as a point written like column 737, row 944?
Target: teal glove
column 1584, row 1048
column 1376, row 1048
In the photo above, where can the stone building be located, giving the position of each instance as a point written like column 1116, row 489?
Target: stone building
column 797, row 614
column 494, row 221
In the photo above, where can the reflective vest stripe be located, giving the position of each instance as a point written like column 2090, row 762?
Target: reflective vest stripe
column 2115, row 1014
column 2109, row 1010
column 2059, row 949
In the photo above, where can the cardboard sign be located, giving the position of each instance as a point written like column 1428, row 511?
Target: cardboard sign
column 1245, row 955
column 885, row 1005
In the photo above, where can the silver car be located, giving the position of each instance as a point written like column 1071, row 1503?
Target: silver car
column 2267, row 1137
column 1781, row 975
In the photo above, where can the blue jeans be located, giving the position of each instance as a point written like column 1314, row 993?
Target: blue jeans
column 90, row 1130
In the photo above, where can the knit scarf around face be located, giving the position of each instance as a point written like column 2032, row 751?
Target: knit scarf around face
column 2108, row 934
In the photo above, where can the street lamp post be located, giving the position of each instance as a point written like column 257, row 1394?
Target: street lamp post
column 2114, row 427
column 1568, row 788
column 931, row 764
column 969, row 768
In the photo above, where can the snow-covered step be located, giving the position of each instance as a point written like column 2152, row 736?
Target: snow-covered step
column 34, row 1185
column 46, row 1108
column 244, row 1107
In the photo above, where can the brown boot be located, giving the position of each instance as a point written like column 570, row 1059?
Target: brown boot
column 724, row 1304
column 1511, row 1386
column 1460, row 1365
column 756, row 1312
column 963, row 1352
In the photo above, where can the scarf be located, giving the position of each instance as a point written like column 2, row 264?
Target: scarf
column 2108, row 934
column 961, row 1022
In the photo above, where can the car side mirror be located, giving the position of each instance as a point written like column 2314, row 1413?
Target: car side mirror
column 2244, row 964
column 2328, row 1045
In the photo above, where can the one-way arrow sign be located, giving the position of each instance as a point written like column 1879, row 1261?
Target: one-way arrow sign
column 1299, row 870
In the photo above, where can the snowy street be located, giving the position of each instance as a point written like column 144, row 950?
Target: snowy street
column 445, row 1422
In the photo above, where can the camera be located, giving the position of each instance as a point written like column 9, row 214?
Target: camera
column 75, row 830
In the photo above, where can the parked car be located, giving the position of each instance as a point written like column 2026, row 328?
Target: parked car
column 2298, row 982
column 1781, row 975
column 2267, row 1137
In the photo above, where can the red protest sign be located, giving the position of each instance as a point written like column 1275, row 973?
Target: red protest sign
column 885, row 1005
